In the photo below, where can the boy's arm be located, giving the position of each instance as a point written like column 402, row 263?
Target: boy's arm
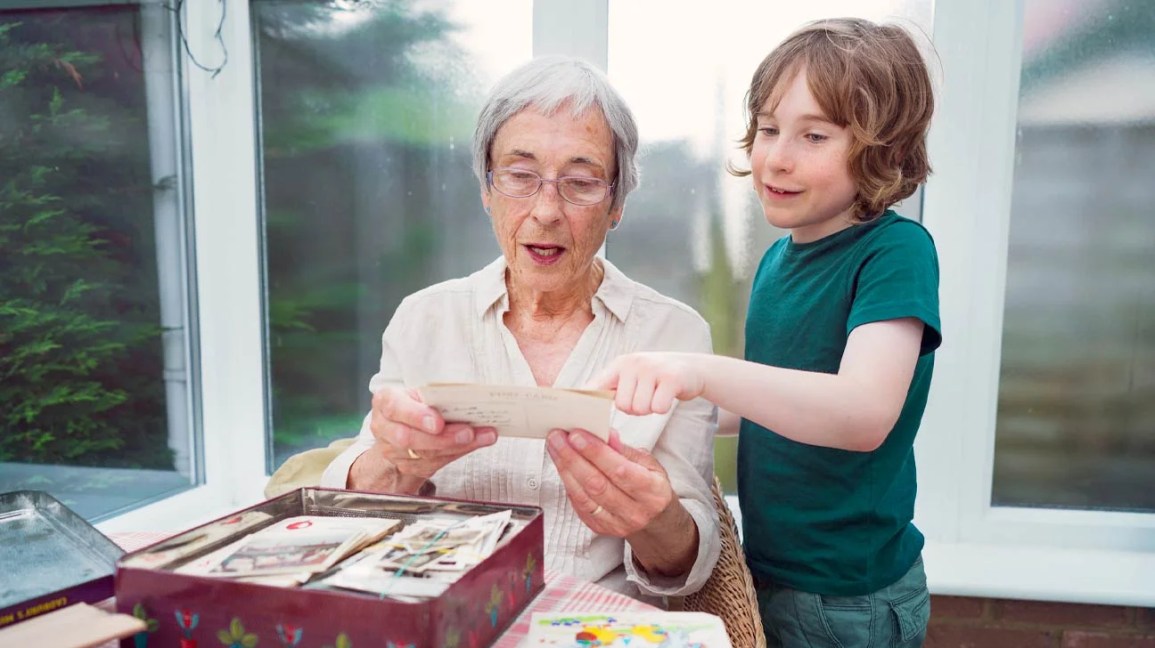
column 852, row 410
column 729, row 423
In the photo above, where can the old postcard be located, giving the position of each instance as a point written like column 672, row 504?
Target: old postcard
column 298, row 546
column 384, row 583
column 522, row 411
column 177, row 547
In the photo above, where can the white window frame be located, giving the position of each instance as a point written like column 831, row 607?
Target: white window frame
column 974, row 548
column 226, row 262
column 230, row 455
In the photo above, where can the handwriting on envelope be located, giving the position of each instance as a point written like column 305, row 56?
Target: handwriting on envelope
column 522, row 411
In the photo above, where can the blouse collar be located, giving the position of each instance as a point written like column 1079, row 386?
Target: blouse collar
column 616, row 292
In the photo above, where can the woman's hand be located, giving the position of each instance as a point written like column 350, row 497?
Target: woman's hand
column 649, row 383
column 414, row 442
column 624, row 492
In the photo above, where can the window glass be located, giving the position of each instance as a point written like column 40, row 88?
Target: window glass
column 94, row 331
column 366, row 111
column 691, row 230
column 1077, row 384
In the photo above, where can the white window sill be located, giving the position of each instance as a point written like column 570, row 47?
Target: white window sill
column 1041, row 573
column 1034, row 573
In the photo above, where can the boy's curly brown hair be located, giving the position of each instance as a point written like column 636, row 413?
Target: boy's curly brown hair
column 869, row 78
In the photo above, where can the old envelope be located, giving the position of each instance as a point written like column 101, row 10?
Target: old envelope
column 522, row 411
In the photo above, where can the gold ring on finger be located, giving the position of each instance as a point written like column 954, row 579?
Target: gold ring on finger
column 599, row 509
column 412, row 455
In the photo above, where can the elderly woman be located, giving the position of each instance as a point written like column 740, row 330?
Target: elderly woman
column 554, row 153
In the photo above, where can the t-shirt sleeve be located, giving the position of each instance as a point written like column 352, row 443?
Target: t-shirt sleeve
column 898, row 278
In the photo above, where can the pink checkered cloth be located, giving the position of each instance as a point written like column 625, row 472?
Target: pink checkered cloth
column 562, row 592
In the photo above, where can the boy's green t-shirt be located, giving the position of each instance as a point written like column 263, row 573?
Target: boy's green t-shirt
column 817, row 519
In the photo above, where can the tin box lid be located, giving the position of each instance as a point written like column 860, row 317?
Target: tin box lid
column 50, row 557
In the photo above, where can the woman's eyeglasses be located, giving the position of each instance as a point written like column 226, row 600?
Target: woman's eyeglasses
column 521, row 183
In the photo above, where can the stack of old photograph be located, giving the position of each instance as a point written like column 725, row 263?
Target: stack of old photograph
column 382, row 556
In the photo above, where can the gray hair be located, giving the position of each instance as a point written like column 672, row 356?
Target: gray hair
column 547, row 83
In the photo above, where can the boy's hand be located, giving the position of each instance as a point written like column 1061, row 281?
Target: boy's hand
column 648, row 383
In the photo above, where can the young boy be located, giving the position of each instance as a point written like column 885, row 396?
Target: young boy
column 840, row 338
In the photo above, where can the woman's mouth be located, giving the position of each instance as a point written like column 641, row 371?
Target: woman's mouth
column 544, row 254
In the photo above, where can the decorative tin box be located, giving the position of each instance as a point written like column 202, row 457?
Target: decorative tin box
column 50, row 557
column 190, row 611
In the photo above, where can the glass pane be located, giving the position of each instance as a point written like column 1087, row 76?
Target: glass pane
column 367, row 111
column 690, row 114
column 1077, row 390
column 94, row 359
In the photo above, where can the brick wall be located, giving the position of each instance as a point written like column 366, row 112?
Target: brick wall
column 961, row 622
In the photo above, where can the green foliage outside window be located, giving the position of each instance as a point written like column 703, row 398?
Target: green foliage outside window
column 79, row 340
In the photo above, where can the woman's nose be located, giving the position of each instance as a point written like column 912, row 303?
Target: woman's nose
column 547, row 206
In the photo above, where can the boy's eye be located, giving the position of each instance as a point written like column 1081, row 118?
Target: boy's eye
column 816, row 137
column 768, row 130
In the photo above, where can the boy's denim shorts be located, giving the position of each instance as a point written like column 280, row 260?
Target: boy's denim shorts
column 893, row 617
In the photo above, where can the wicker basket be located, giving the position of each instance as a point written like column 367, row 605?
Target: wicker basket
column 729, row 592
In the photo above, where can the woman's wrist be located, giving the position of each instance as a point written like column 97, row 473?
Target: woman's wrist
column 374, row 473
column 669, row 546
column 414, row 485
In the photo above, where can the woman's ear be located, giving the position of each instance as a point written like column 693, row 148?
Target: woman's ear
column 485, row 199
column 615, row 219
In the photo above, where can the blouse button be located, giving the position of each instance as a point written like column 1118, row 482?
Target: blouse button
column 531, row 482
